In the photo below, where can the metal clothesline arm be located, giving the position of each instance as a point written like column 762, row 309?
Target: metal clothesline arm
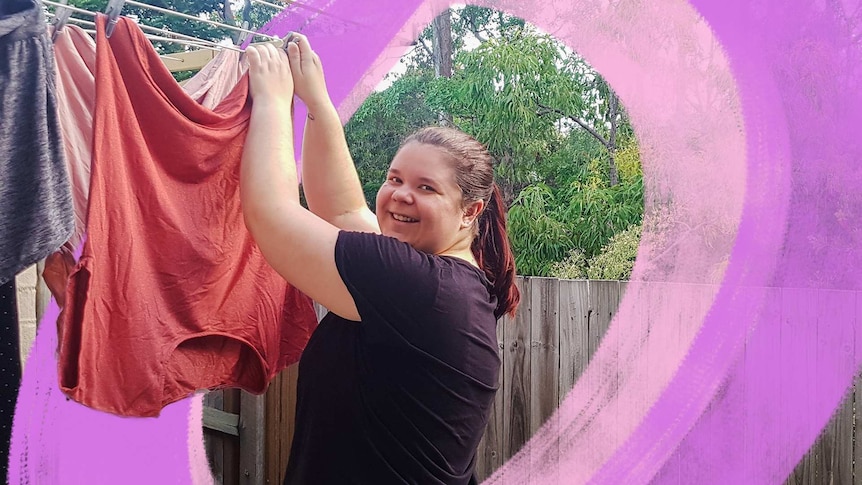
column 191, row 17
column 148, row 28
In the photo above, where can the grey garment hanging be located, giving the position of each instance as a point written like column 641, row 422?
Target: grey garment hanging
column 36, row 214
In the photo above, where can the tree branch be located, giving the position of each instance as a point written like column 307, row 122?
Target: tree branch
column 577, row 120
column 475, row 30
column 425, row 46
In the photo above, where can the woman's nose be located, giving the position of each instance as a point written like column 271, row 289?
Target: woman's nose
column 402, row 194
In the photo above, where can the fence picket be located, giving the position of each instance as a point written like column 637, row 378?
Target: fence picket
column 516, row 392
column 574, row 332
column 546, row 347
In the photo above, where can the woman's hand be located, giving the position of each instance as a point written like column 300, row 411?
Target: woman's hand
column 58, row 266
column 307, row 72
column 270, row 79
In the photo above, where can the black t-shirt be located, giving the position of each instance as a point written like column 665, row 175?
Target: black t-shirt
column 402, row 396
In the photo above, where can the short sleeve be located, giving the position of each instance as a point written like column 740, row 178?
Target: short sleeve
column 387, row 278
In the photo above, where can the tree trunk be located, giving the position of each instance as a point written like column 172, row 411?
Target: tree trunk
column 612, row 142
column 442, row 44
column 613, row 175
column 442, row 53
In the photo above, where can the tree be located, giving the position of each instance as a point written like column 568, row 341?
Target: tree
column 574, row 212
column 566, row 158
column 467, row 24
column 442, row 51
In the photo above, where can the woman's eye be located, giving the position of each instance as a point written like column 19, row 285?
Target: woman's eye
column 394, row 179
column 427, row 187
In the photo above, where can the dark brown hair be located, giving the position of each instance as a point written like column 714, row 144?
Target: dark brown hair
column 474, row 173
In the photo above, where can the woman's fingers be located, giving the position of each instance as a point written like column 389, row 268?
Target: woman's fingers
column 266, row 56
column 269, row 72
column 253, row 57
column 293, row 56
column 305, row 49
column 302, row 52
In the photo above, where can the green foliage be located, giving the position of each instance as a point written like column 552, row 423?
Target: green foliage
column 492, row 95
column 628, row 160
column 538, row 238
column 614, row 262
column 597, row 210
column 520, row 93
column 574, row 267
column 576, row 200
column 617, row 258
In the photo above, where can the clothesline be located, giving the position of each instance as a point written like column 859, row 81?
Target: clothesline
column 148, row 28
column 169, row 36
column 192, row 41
column 206, row 21
column 152, row 37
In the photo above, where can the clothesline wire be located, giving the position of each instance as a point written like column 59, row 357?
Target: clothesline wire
column 165, row 39
column 148, row 36
column 75, row 19
column 148, row 28
column 155, row 37
column 211, row 22
column 188, row 37
column 192, row 17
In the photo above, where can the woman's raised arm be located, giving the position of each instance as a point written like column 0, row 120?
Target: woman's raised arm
column 297, row 244
column 329, row 177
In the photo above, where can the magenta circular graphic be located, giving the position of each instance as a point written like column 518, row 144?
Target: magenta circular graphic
column 729, row 351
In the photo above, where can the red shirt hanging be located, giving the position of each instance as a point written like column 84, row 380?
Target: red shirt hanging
column 171, row 294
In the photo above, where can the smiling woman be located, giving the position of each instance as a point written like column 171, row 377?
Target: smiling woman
column 397, row 382
column 421, row 204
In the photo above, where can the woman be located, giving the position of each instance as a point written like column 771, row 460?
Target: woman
column 396, row 383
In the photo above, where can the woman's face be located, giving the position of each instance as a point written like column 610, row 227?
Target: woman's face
column 420, row 203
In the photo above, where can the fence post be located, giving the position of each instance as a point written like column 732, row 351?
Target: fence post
column 251, row 439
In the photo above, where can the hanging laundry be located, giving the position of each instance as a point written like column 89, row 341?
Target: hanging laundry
column 216, row 79
column 170, row 294
column 36, row 214
column 75, row 55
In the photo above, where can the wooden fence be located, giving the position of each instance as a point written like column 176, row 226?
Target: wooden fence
column 544, row 350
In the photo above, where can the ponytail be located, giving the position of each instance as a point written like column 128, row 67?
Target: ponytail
column 474, row 173
column 493, row 253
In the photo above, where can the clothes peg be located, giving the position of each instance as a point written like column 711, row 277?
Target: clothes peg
column 113, row 12
column 61, row 16
column 243, row 35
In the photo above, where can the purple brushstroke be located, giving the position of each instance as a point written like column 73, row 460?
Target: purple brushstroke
column 56, row 440
column 767, row 366
column 688, row 118
column 800, row 360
